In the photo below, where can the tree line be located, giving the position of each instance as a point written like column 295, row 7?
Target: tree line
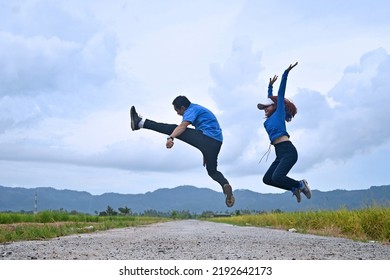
column 176, row 214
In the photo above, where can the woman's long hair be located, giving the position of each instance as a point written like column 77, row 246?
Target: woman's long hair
column 291, row 110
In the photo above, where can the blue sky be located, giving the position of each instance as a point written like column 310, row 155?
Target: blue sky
column 70, row 70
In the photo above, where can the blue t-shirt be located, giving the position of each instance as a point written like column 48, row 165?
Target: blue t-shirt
column 204, row 120
column 275, row 125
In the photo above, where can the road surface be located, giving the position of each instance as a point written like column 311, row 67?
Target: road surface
column 194, row 240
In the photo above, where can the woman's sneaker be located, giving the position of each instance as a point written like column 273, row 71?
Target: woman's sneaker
column 297, row 193
column 305, row 189
column 227, row 190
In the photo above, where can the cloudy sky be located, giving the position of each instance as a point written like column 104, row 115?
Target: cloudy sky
column 70, row 70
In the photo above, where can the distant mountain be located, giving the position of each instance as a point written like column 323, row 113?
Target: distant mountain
column 187, row 198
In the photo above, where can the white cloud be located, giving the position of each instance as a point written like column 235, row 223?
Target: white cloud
column 235, row 92
column 359, row 121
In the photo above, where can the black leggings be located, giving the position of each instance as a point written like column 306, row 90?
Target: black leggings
column 276, row 175
column 208, row 146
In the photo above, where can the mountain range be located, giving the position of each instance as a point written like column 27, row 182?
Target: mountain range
column 186, row 198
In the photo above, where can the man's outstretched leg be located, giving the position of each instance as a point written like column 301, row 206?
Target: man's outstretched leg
column 189, row 136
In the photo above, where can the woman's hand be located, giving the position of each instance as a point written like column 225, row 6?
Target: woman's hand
column 272, row 80
column 292, row 66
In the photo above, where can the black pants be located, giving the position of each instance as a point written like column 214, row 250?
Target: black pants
column 276, row 175
column 208, row 146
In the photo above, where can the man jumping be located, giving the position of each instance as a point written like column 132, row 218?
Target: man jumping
column 206, row 137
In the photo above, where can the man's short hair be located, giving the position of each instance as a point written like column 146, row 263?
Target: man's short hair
column 181, row 101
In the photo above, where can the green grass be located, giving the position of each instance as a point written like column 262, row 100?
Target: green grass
column 363, row 225
column 50, row 224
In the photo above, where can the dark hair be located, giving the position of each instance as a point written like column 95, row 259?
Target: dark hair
column 291, row 110
column 181, row 101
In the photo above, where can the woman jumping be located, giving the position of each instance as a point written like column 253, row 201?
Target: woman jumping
column 279, row 110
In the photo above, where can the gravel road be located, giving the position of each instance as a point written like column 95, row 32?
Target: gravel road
column 194, row 240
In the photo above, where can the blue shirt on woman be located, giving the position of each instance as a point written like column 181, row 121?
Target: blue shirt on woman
column 275, row 125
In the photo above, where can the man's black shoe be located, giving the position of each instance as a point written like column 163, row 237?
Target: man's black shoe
column 227, row 190
column 134, row 119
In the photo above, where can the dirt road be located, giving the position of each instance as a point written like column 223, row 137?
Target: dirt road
column 194, row 240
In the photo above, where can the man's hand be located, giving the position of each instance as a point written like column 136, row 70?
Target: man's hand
column 169, row 143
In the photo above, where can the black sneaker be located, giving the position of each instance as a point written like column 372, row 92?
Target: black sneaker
column 305, row 189
column 227, row 190
column 134, row 119
column 296, row 192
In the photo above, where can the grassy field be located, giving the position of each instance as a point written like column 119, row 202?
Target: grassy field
column 49, row 224
column 371, row 224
